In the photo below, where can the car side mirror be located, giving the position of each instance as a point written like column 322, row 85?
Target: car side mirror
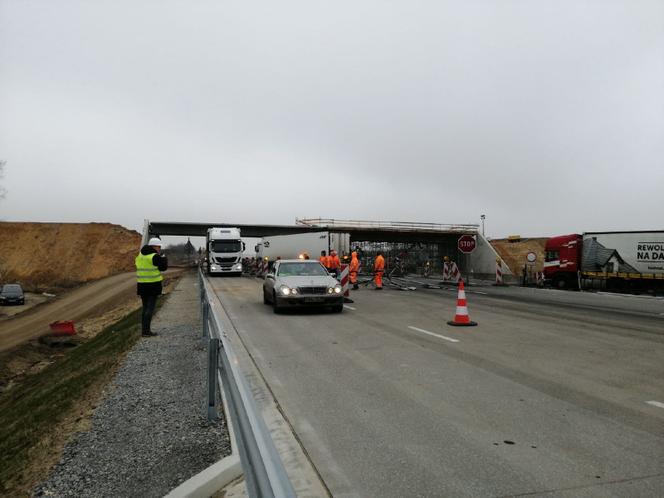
column 270, row 275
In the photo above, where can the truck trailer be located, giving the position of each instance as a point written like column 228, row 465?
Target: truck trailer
column 296, row 245
column 224, row 248
column 623, row 261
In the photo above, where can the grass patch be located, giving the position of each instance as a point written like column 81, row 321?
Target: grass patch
column 37, row 416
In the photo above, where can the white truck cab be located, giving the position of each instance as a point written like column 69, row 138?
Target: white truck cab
column 224, row 249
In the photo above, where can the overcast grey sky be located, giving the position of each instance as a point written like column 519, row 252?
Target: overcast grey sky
column 548, row 117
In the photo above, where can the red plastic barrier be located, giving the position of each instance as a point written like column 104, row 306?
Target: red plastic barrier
column 62, row 328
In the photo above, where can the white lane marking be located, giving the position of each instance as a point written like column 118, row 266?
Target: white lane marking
column 349, row 307
column 431, row 333
column 479, row 292
column 633, row 296
column 656, row 403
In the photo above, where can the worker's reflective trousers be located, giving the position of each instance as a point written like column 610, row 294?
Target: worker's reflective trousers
column 378, row 279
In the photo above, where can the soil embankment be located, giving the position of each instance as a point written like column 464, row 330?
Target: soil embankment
column 53, row 256
column 514, row 253
column 94, row 262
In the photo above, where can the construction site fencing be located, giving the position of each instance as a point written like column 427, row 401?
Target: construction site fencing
column 264, row 472
column 418, row 258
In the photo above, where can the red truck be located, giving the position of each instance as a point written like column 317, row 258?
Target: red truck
column 624, row 261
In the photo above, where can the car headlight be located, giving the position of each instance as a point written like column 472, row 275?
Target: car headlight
column 238, row 266
column 337, row 289
column 286, row 291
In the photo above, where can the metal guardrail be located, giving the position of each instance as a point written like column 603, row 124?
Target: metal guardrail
column 264, row 472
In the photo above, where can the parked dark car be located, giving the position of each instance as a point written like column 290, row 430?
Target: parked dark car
column 12, row 294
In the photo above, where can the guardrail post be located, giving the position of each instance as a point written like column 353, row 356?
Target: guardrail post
column 206, row 321
column 204, row 305
column 213, row 363
column 201, row 289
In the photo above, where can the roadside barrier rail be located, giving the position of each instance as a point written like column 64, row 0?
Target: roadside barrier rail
column 264, row 472
column 403, row 226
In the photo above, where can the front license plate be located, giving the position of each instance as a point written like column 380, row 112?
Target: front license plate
column 313, row 300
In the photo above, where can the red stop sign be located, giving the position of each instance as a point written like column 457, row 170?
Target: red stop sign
column 466, row 244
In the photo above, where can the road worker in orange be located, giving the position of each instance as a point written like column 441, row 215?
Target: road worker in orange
column 379, row 269
column 335, row 262
column 353, row 269
column 324, row 260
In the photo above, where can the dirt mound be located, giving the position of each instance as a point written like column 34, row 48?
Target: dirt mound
column 48, row 256
column 514, row 253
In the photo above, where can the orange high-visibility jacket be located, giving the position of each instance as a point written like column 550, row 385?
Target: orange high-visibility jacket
column 325, row 261
column 335, row 262
column 354, row 263
column 379, row 264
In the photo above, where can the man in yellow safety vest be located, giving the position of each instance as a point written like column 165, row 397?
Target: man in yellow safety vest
column 149, row 265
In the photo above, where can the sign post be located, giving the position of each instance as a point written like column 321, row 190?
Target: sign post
column 466, row 245
column 531, row 275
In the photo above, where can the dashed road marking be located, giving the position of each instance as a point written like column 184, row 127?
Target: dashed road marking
column 349, row 307
column 433, row 334
column 656, row 403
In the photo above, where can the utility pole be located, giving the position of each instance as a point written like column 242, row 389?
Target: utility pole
column 482, row 217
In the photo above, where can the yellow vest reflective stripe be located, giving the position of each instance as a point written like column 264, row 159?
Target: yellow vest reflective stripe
column 146, row 272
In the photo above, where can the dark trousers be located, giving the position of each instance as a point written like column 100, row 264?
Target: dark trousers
column 149, row 303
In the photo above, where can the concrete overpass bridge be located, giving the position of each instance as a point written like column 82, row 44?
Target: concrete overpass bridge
column 443, row 237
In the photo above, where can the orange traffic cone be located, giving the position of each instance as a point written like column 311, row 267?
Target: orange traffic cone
column 461, row 318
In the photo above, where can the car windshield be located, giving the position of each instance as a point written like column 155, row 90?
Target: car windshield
column 226, row 246
column 301, row 270
column 12, row 289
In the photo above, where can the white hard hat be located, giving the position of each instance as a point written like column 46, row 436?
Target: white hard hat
column 155, row 241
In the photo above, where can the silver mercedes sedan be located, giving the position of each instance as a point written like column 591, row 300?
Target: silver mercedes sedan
column 297, row 282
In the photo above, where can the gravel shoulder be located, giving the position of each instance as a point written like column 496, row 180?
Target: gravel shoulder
column 150, row 432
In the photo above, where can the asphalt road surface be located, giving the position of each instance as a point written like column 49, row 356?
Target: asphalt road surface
column 556, row 395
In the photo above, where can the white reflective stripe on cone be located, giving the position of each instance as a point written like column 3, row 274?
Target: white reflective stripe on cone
column 462, row 310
